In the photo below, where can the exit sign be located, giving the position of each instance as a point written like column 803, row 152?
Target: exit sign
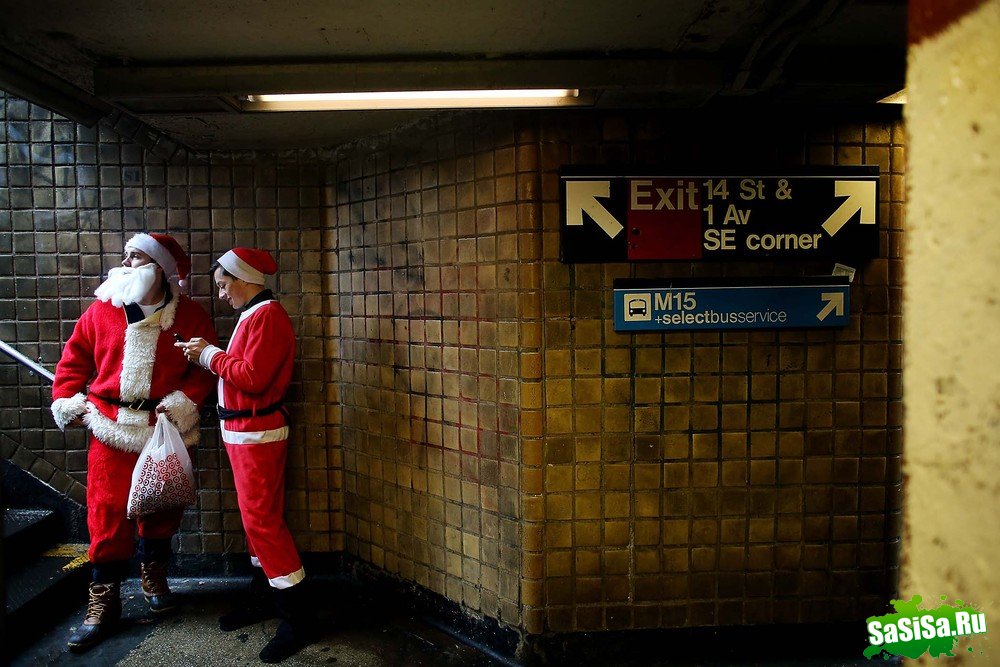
column 819, row 213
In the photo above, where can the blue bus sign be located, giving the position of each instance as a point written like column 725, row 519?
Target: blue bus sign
column 692, row 308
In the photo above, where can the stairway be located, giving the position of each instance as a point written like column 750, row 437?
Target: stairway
column 44, row 577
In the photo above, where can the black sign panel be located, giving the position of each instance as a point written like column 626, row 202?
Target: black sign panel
column 823, row 213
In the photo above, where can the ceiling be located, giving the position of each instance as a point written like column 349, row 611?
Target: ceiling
column 181, row 66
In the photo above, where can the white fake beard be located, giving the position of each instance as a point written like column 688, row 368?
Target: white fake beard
column 126, row 284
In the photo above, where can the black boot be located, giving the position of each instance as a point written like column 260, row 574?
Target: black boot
column 256, row 607
column 104, row 610
column 297, row 628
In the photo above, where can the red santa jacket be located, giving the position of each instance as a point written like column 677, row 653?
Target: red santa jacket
column 106, row 356
column 254, row 372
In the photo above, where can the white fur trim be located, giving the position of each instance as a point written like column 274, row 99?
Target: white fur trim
column 65, row 410
column 140, row 346
column 253, row 437
column 183, row 411
column 288, row 580
column 231, row 262
column 206, row 356
column 152, row 247
column 137, row 367
column 127, row 437
column 169, row 312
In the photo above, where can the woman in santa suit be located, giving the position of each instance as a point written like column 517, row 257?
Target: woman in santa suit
column 254, row 372
column 118, row 370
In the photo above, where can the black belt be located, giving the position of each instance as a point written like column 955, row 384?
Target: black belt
column 146, row 404
column 225, row 414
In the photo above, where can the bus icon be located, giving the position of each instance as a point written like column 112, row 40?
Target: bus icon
column 637, row 307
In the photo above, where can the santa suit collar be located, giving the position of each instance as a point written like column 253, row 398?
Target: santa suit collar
column 261, row 299
column 140, row 346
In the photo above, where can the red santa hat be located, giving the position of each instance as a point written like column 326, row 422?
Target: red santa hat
column 166, row 252
column 249, row 264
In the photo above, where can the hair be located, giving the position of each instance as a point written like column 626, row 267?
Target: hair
column 216, row 265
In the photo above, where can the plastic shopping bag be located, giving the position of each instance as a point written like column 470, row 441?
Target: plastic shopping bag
column 162, row 478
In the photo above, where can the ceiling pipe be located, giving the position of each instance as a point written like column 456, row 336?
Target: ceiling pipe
column 30, row 82
column 782, row 34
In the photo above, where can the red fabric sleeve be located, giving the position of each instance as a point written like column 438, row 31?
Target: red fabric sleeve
column 270, row 340
column 76, row 367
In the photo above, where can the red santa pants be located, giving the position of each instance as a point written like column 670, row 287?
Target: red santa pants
column 259, row 475
column 109, row 480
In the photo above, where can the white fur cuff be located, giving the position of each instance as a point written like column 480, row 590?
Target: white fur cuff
column 205, row 360
column 183, row 411
column 65, row 410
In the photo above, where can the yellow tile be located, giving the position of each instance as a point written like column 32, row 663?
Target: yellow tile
column 588, row 449
column 559, row 391
column 617, row 360
column 588, row 420
column 617, row 561
column 617, row 390
column 617, row 505
column 559, row 535
column 588, row 563
column 587, row 505
column 587, row 362
column 558, row 506
column 587, row 390
column 587, row 533
column 559, row 420
column 558, row 478
column 647, row 503
column 587, row 477
column 617, row 419
column 558, row 563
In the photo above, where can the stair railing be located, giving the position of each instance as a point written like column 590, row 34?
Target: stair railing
column 36, row 368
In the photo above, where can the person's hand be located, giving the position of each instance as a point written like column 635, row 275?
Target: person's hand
column 76, row 422
column 162, row 409
column 192, row 349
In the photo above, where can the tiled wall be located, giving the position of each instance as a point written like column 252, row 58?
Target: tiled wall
column 69, row 197
column 465, row 416
column 686, row 479
column 712, row 478
column 437, row 285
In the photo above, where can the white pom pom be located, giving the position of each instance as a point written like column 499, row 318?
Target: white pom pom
column 183, row 284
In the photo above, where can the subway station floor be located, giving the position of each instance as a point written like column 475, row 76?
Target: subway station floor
column 360, row 632
column 356, row 634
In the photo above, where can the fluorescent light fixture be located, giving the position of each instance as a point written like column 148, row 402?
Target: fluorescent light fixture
column 895, row 98
column 416, row 99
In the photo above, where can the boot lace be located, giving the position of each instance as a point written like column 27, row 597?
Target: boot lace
column 154, row 578
column 100, row 598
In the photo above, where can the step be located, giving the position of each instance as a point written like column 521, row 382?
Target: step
column 43, row 590
column 27, row 533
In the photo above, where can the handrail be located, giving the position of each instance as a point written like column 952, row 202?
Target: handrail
column 20, row 358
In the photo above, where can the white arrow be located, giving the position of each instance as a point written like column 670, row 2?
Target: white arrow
column 860, row 196
column 834, row 300
column 582, row 196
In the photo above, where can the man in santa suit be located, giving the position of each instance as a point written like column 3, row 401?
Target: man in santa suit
column 254, row 372
column 118, row 370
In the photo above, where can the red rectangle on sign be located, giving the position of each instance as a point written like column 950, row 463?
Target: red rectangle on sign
column 664, row 219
